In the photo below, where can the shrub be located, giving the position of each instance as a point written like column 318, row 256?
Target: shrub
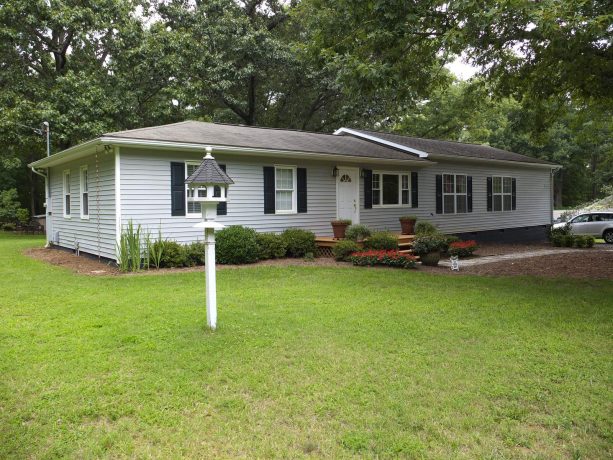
column 9, row 204
column 194, row 254
column 560, row 231
column 344, row 249
column 237, row 245
column 448, row 240
column 423, row 227
column 381, row 241
column 129, row 249
column 568, row 240
column 462, row 248
column 173, row 256
column 9, row 227
column 409, row 217
column 425, row 244
column 579, row 241
column 391, row 258
column 357, row 232
column 271, row 245
column 342, row 221
column 23, row 216
column 589, row 241
column 556, row 240
column 299, row 242
column 155, row 249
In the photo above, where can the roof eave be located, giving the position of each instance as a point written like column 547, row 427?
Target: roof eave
column 464, row 158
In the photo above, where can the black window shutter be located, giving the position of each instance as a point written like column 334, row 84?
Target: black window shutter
column 367, row 188
column 177, row 189
column 469, row 193
column 439, row 194
column 414, row 191
column 301, row 179
column 514, row 194
column 489, row 194
column 222, row 208
column 269, row 190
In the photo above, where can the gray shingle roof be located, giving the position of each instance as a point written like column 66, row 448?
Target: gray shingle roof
column 454, row 148
column 209, row 172
column 197, row 132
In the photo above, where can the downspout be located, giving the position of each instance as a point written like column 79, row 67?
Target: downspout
column 46, row 203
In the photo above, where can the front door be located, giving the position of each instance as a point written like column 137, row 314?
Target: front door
column 347, row 194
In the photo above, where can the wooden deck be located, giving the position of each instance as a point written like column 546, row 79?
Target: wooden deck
column 326, row 243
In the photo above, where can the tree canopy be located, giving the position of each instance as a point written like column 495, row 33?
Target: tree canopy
column 544, row 87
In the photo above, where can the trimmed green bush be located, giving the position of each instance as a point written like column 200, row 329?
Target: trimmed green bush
column 357, row 232
column 271, row 245
column 425, row 244
column 589, row 241
column 381, row 241
column 194, row 254
column 423, row 227
column 299, row 242
column 559, row 232
column 579, row 241
column 344, row 249
column 556, row 240
column 173, row 255
column 23, row 216
column 567, row 240
column 237, row 245
column 9, row 227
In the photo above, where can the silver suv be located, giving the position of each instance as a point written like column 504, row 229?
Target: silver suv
column 595, row 223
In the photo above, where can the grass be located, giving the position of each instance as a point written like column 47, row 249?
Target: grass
column 306, row 362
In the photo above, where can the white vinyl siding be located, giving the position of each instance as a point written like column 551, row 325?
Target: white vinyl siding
column 84, row 192
column 502, row 193
column 454, row 194
column 390, row 189
column 95, row 235
column 533, row 199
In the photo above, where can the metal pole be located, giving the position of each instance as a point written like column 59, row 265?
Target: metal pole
column 46, row 128
column 209, row 269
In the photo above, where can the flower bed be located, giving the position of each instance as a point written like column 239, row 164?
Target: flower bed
column 388, row 258
column 462, row 248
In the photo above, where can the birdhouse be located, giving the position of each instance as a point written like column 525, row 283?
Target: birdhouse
column 208, row 185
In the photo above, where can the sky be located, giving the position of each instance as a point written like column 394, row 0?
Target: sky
column 461, row 69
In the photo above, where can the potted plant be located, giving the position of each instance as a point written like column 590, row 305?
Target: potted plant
column 339, row 227
column 428, row 248
column 407, row 224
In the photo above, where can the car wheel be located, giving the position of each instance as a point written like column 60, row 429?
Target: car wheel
column 608, row 236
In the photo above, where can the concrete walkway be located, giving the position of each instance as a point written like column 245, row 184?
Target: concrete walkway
column 512, row 256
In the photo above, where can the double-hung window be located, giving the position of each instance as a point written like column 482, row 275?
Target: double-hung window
column 285, row 189
column 390, row 189
column 193, row 207
column 502, row 193
column 455, row 194
column 66, row 193
column 84, row 188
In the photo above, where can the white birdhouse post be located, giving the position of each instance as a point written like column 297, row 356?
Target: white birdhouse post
column 208, row 186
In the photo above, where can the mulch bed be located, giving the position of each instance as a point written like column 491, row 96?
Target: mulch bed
column 595, row 263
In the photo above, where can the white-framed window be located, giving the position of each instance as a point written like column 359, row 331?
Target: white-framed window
column 84, row 192
column 66, row 193
column 455, row 194
column 502, row 193
column 285, row 189
column 390, row 189
column 193, row 207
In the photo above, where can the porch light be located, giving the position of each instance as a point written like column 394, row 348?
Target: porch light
column 335, row 172
column 209, row 186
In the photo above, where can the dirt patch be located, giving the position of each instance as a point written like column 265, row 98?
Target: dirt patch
column 88, row 265
column 596, row 263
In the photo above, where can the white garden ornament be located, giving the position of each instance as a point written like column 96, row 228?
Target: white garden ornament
column 455, row 263
column 208, row 185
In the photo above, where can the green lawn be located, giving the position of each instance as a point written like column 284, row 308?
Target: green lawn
column 306, row 362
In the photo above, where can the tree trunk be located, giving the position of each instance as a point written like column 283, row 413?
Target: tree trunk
column 251, row 101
